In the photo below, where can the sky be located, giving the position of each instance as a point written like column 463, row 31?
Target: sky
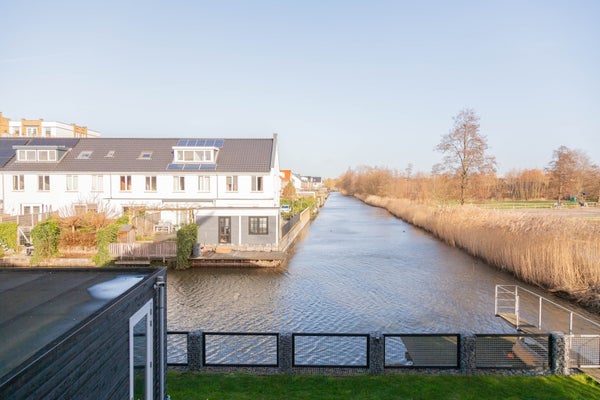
column 344, row 84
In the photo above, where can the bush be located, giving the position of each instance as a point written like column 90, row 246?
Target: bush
column 44, row 237
column 8, row 235
column 186, row 237
column 104, row 237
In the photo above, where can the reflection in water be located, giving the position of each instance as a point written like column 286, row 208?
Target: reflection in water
column 358, row 269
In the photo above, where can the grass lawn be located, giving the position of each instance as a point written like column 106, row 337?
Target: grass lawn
column 192, row 386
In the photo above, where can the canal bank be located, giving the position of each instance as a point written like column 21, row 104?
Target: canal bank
column 558, row 254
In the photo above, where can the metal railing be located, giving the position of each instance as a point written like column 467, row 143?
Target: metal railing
column 330, row 350
column 240, row 349
column 507, row 302
column 518, row 351
column 177, row 348
column 373, row 353
column 423, row 351
column 584, row 351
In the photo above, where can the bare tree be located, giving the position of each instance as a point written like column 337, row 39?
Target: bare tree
column 571, row 172
column 464, row 150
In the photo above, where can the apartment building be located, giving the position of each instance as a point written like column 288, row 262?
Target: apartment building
column 41, row 128
column 230, row 187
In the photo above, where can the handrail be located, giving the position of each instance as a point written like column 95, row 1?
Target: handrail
column 500, row 289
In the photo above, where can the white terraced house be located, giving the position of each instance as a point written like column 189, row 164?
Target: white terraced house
column 231, row 187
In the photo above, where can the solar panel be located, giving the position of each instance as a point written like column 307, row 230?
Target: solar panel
column 192, row 167
column 200, row 142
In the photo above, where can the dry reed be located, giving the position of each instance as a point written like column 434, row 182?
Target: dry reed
column 556, row 253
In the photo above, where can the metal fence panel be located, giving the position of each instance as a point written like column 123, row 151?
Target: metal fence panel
column 177, row 348
column 330, row 350
column 240, row 349
column 512, row 351
column 585, row 351
column 422, row 351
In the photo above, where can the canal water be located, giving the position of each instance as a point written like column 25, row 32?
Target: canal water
column 357, row 269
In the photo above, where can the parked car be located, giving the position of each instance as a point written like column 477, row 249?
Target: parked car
column 286, row 208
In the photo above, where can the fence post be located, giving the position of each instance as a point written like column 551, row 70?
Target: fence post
column 560, row 353
column 194, row 350
column 467, row 350
column 285, row 352
column 376, row 352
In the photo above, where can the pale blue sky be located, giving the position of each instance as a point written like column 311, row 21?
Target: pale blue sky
column 344, row 83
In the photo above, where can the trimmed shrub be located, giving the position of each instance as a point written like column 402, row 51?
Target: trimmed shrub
column 104, row 237
column 8, row 234
column 186, row 237
column 44, row 237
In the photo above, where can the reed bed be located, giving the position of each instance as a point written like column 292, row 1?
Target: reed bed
column 559, row 254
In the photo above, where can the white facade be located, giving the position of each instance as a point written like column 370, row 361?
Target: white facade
column 35, row 182
column 50, row 129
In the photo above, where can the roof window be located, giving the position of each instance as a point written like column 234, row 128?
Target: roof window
column 85, row 155
column 145, row 155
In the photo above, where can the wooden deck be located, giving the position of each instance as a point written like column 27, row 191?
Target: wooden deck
column 593, row 373
column 523, row 325
column 240, row 259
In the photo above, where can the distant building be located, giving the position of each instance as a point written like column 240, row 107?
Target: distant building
column 41, row 128
column 287, row 176
column 311, row 182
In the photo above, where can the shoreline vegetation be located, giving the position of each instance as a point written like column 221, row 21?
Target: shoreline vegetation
column 561, row 255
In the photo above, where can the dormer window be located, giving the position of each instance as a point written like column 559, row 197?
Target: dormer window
column 145, row 155
column 39, row 155
column 194, row 155
column 26, row 155
column 85, row 155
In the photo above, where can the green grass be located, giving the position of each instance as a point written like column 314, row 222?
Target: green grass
column 192, row 386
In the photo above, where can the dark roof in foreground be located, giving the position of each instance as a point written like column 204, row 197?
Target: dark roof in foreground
column 40, row 305
column 123, row 155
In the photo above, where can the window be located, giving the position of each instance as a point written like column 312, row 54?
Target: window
column 194, row 156
column 110, row 154
column 72, row 183
column 48, row 132
column 232, row 184
column 141, row 354
column 31, row 209
column 17, row 131
column 31, row 130
column 125, row 183
column 46, row 155
column 85, row 155
column 258, row 225
column 204, row 183
column 97, row 183
column 179, row 183
column 26, row 155
column 43, row 183
column 257, row 183
column 18, row 183
column 36, row 155
column 151, row 184
column 145, row 155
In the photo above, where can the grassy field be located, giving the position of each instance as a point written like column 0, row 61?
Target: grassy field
column 191, row 386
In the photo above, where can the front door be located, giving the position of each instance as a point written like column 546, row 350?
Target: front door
column 224, row 229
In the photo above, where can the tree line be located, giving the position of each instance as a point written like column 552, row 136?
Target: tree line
column 468, row 172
